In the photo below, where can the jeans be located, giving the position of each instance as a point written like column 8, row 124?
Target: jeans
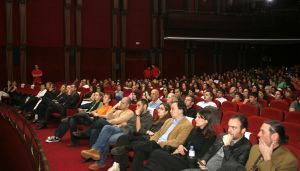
column 107, row 136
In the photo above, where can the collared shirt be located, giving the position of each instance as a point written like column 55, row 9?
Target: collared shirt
column 164, row 137
column 153, row 105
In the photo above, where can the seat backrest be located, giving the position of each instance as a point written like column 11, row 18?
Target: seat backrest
column 279, row 104
column 254, row 124
column 264, row 103
column 272, row 113
column 292, row 117
column 248, row 110
column 229, row 106
column 226, row 116
column 293, row 131
column 295, row 151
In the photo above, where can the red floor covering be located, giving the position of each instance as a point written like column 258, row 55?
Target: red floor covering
column 60, row 156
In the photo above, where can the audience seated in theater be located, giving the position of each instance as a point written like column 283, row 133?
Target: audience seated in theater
column 72, row 99
column 238, row 98
column 49, row 95
column 295, row 105
column 270, row 154
column 84, row 116
column 230, row 151
column 220, row 96
column 155, row 101
column 140, row 123
column 116, row 116
column 189, row 103
column 40, row 108
column 173, row 133
column 208, row 97
column 8, row 90
column 31, row 101
column 253, row 101
column 119, row 93
column 201, row 137
column 126, row 142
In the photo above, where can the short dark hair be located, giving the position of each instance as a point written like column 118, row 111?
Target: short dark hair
column 181, row 105
column 254, row 94
column 277, row 127
column 144, row 102
column 242, row 118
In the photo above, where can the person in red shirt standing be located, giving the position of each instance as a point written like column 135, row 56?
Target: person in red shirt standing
column 155, row 72
column 37, row 75
column 147, row 73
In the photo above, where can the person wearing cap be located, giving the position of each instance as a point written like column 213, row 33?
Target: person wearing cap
column 37, row 75
column 270, row 154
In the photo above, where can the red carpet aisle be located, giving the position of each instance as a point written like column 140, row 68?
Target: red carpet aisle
column 60, row 156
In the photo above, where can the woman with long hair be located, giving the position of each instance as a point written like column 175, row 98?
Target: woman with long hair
column 201, row 138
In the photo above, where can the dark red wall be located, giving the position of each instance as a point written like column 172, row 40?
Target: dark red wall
column 97, row 24
column 173, row 60
column 139, row 24
column 204, row 58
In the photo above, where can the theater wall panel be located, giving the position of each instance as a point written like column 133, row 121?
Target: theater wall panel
column 139, row 24
column 3, row 69
column 2, row 24
column 230, row 57
column 135, row 63
column 97, row 24
column 173, row 62
column 204, row 58
column 51, row 61
column 96, row 63
column 176, row 5
column 45, row 23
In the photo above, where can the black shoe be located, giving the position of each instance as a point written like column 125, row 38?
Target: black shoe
column 87, row 160
column 78, row 134
column 120, row 150
column 29, row 116
column 72, row 144
column 41, row 126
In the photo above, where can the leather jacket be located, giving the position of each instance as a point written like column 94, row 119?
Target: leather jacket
column 238, row 152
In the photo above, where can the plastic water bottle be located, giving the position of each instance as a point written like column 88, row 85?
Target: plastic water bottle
column 36, row 117
column 192, row 152
column 192, row 157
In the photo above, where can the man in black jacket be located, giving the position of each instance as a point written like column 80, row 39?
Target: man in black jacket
column 232, row 147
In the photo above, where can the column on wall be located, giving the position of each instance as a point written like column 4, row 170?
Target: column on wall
column 115, row 38
column 123, row 37
column 23, row 40
column 78, row 36
column 9, row 38
column 67, row 15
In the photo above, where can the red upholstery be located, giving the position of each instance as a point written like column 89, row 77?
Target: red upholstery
column 279, row 104
column 292, row 117
column 272, row 113
column 248, row 110
column 254, row 124
column 217, row 103
column 293, row 131
column 132, row 107
column 264, row 103
column 219, row 129
column 226, row 116
column 229, row 106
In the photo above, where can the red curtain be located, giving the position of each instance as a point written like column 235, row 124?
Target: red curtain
column 204, row 58
column 2, row 24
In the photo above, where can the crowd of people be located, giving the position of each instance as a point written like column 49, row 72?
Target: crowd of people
column 161, row 120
